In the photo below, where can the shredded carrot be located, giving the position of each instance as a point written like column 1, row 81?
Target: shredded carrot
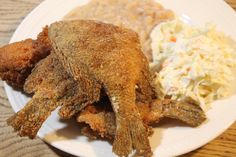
column 173, row 39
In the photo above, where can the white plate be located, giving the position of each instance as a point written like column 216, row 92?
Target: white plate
column 168, row 139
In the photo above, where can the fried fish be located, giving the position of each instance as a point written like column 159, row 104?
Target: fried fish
column 97, row 72
column 100, row 118
column 19, row 58
column 100, row 55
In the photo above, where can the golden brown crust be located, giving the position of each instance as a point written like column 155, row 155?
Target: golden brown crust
column 89, row 59
column 28, row 120
column 110, row 56
column 52, row 87
column 139, row 15
column 100, row 119
column 18, row 59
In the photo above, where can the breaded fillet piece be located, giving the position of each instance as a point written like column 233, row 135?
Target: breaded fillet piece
column 101, row 119
column 139, row 15
column 82, row 70
column 52, row 87
column 60, row 89
column 18, row 59
column 103, row 55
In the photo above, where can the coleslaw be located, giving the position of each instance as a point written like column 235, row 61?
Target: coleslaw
column 192, row 62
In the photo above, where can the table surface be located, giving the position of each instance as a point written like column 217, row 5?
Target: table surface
column 12, row 13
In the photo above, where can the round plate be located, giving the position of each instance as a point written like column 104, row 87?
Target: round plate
column 170, row 138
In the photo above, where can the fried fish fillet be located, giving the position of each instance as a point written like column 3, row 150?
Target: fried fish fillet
column 61, row 89
column 101, row 119
column 18, row 59
column 100, row 55
column 52, row 87
column 139, row 15
column 90, row 60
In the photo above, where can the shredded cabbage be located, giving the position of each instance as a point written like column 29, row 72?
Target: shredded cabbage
column 192, row 61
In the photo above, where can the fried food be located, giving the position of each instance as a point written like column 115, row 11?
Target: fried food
column 101, row 119
column 99, row 116
column 103, row 55
column 139, row 15
column 47, row 90
column 89, row 62
column 58, row 88
column 18, row 59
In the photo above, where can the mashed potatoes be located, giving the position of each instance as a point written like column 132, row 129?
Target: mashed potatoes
column 192, row 62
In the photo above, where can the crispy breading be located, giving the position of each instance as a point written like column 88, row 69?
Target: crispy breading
column 52, row 87
column 139, row 15
column 96, row 53
column 18, row 59
column 100, row 118
column 90, row 62
column 29, row 119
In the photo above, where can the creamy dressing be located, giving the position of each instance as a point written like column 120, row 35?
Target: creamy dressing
column 192, row 61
